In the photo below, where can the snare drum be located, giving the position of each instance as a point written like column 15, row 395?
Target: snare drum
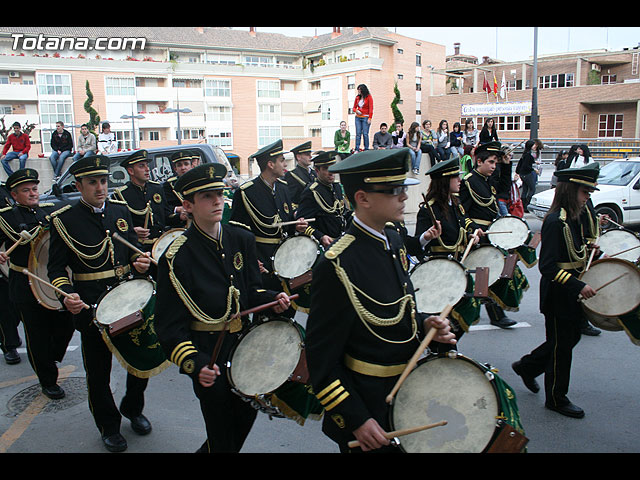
column 38, row 260
column 619, row 240
column 267, row 367
column 477, row 405
column 618, row 298
column 163, row 242
column 518, row 232
column 486, row 256
column 439, row 281
column 124, row 314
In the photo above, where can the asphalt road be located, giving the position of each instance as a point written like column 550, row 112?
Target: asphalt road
column 604, row 383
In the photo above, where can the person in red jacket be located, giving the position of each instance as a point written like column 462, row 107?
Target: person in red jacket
column 363, row 108
column 21, row 146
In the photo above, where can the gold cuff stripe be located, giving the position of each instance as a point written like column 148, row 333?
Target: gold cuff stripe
column 330, row 387
column 338, row 401
column 181, row 351
column 328, row 398
column 60, row 281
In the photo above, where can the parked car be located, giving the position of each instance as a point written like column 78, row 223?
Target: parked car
column 63, row 191
column 618, row 195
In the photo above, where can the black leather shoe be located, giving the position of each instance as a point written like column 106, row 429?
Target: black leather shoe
column 54, row 392
column 504, row 322
column 12, row 357
column 529, row 382
column 114, row 442
column 568, row 410
column 140, row 424
column 589, row 330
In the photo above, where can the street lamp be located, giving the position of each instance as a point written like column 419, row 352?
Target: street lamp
column 534, row 92
column 178, row 111
column 133, row 127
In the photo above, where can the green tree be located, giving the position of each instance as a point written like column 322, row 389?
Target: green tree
column 397, row 114
column 94, row 118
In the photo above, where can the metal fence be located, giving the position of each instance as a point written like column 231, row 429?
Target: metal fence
column 602, row 150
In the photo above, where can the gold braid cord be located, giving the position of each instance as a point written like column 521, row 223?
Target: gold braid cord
column 574, row 255
column 480, row 200
column 15, row 236
column 369, row 318
column 461, row 236
column 105, row 244
column 259, row 223
column 325, row 206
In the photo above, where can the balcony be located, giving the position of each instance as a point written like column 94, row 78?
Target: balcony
column 18, row 93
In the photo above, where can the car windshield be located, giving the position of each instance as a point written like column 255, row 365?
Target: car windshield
column 618, row 173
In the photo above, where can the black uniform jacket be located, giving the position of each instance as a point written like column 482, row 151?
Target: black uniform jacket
column 456, row 227
column 354, row 359
column 478, row 196
column 297, row 180
column 258, row 206
column 77, row 235
column 137, row 198
column 559, row 284
column 173, row 199
column 202, row 279
column 13, row 220
column 326, row 204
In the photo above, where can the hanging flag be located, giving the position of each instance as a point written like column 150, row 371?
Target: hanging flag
column 503, row 87
column 495, row 85
column 485, row 85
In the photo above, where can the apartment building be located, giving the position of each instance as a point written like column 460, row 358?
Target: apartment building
column 238, row 89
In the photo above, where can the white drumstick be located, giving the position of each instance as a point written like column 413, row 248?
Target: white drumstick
column 24, row 235
column 292, row 222
column 61, row 292
column 133, row 247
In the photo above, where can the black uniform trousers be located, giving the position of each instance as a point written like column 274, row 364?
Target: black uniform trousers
column 48, row 333
column 554, row 356
column 97, row 360
column 9, row 320
column 228, row 417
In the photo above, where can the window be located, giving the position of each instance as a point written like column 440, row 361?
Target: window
column 400, row 76
column 6, row 110
column 191, row 134
column 120, row 86
column 556, row 80
column 255, row 61
column 217, row 88
column 418, row 60
column 509, row 122
column 608, row 79
column 351, row 82
column 4, row 80
column 220, row 139
column 219, row 114
column 54, row 84
column 154, row 136
column 123, row 138
column 268, row 135
column 584, row 121
column 268, row 89
column 400, row 51
column 268, row 113
column 221, row 59
column 52, row 111
column 610, row 125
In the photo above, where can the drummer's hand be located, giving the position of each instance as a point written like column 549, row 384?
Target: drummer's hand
column 302, row 225
column 3, row 258
column 326, row 240
column 207, row 376
column 141, row 232
column 142, row 263
column 184, row 216
column 370, row 435
column 261, row 267
column 587, row 291
column 283, row 303
column 604, row 218
column 75, row 304
column 433, row 232
column 443, row 329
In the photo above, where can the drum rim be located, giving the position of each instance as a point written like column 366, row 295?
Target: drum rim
column 154, row 248
column 456, row 356
column 243, row 334
column 42, row 237
column 273, row 257
column 622, row 261
column 94, row 308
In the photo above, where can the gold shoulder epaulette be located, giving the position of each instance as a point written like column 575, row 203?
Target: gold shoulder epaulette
column 313, row 186
column 340, row 246
column 283, row 181
column 47, row 204
column 154, row 182
column 175, row 246
column 246, row 184
column 467, row 176
column 390, row 224
column 233, row 222
column 122, row 188
column 60, row 210
column 119, row 202
column 431, row 202
column 563, row 214
column 5, row 209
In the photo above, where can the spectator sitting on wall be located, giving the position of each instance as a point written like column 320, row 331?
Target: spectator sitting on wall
column 86, row 143
column 382, row 139
column 399, row 136
column 61, row 146
column 21, row 146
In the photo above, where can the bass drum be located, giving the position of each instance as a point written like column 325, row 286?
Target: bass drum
column 619, row 240
column 438, row 282
column 38, row 260
column 614, row 299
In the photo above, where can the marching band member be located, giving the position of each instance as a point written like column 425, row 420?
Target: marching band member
column 205, row 277
column 302, row 175
column 48, row 332
column 363, row 327
column 478, row 198
column 81, row 240
column 323, row 200
column 564, row 253
column 181, row 162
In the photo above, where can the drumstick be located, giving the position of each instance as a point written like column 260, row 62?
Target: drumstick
column 265, row 306
column 414, row 360
column 593, row 252
column 132, row 247
column 216, row 349
column 404, row 431
column 292, row 222
column 623, row 251
column 468, row 249
column 610, row 221
column 493, row 233
column 146, row 215
column 24, row 235
column 61, row 292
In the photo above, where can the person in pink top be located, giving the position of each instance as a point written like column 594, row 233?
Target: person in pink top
column 363, row 108
column 21, row 146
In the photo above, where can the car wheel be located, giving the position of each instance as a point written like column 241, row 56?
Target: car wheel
column 611, row 212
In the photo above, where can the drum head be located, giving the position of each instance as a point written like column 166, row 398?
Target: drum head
column 617, row 298
column 486, row 256
column 38, row 260
column 518, row 228
column 265, row 357
column 164, row 241
column 126, row 298
column 439, row 282
column 451, row 389
column 295, row 256
column 618, row 240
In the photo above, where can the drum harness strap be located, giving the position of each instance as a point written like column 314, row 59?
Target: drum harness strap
column 233, row 295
